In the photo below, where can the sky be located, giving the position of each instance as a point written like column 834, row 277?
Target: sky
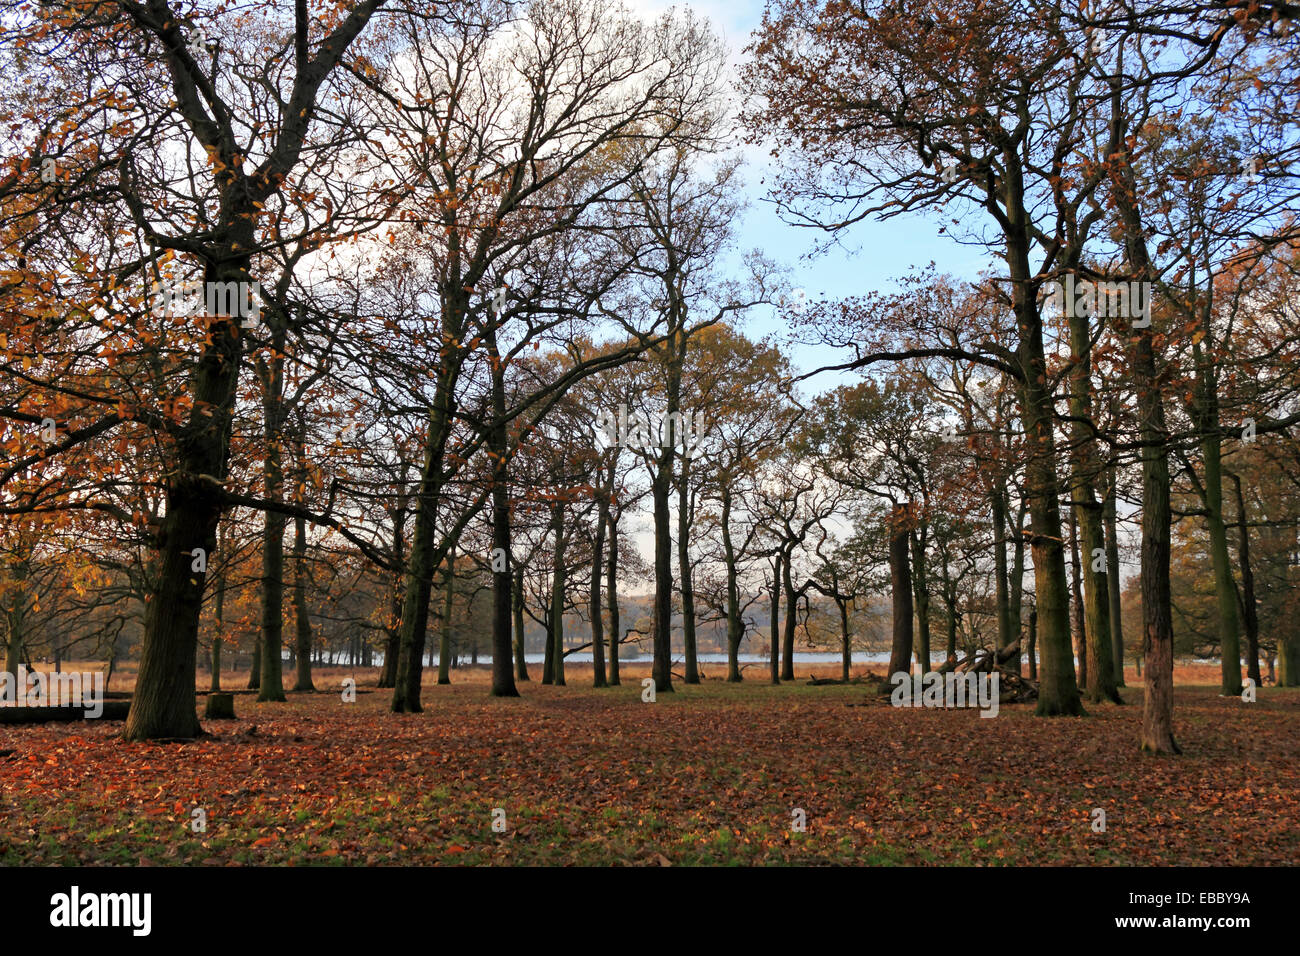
column 870, row 256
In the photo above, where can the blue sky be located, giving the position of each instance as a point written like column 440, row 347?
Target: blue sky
column 869, row 257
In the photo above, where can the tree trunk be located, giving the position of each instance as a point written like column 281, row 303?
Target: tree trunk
column 1016, row 604
column 16, row 610
column 1033, row 640
column 1002, row 600
column 388, row 673
column 1096, row 670
column 521, row 664
column 503, row 678
column 776, row 618
column 557, row 598
column 548, row 649
column 949, row 591
column 419, row 579
column 1225, row 590
column 426, row 553
column 663, row 597
column 1157, row 613
column 444, row 640
column 1158, row 631
column 611, row 588
column 1058, row 693
column 272, row 375
column 735, row 626
column 163, row 704
column 1248, row 606
column 1288, row 659
column 954, row 619
column 900, row 585
column 787, row 665
column 594, row 606
column 1078, row 629
column 846, row 649
column 921, row 588
column 215, row 685
column 1112, row 566
column 692, row 675
column 301, row 618
column 255, row 670
column 219, row 626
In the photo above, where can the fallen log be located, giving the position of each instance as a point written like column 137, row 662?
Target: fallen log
column 113, row 710
column 1014, row 689
column 858, row 679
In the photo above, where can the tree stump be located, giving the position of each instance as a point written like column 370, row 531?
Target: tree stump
column 220, row 707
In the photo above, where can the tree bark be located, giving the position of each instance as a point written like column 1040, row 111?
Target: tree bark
column 444, row 641
column 846, row 649
column 271, row 374
column 692, row 674
column 1033, row 641
column 163, row 704
column 392, row 646
column 776, row 618
column 661, row 668
column 1157, row 613
column 611, row 589
column 1115, row 618
column 548, row 649
column 301, row 619
column 920, row 585
column 1078, row 628
column 16, row 610
column 1016, row 604
column 1001, row 598
column 735, row 626
column 900, row 585
column 1096, row 671
column 557, row 599
column 419, row 577
column 1158, row 631
column 503, row 678
column 426, row 552
column 1247, row 604
column 1225, row 589
column 521, row 663
column 1058, row 693
column 594, row 608
column 787, row 665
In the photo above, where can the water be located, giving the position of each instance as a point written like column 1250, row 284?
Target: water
column 632, row 657
column 810, row 657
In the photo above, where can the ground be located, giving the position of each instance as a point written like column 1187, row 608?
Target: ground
column 708, row 775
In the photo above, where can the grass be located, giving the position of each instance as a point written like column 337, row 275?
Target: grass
column 709, row 775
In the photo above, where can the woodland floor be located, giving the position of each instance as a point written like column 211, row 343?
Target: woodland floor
column 708, row 775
